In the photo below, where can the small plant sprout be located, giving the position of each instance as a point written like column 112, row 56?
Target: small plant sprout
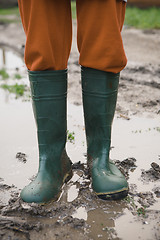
column 4, row 74
column 71, row 136
column 17, row 89
column 17, row 76
column 141, row 211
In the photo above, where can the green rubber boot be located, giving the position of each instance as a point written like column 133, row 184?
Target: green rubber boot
column 99, row 101
column 49, row 92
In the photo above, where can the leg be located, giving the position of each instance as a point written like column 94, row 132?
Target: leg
column 49, row 92
column 99, row 100
column 102, row 57
column 47, row 25
column 99, row 34
column 48, row 28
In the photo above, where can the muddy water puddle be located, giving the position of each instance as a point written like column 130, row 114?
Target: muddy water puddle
column 138, row 137
column 9, row 59
column 78, row 214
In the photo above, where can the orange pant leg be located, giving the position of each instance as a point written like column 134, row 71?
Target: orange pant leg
column 48, row 28
column 99, row 25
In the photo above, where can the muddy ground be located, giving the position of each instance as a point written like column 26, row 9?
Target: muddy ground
column 78, row 214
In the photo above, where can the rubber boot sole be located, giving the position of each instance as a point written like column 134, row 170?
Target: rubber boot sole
column 113, row 196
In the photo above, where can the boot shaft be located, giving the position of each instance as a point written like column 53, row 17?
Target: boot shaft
column 49, row 93
column 99, row 100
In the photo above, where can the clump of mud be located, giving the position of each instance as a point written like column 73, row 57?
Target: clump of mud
column 22, row 157
column 153, row 174
column 20, row 220
column 146, row 199
column 126, row 165
column 156, row 190
column 7, row 223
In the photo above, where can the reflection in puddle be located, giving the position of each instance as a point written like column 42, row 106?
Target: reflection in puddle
column 100, row 222
column 80, row 213
column 128, row 227
column 143, row 145
column 72, row 193
column 75, row 178
column 76, row 124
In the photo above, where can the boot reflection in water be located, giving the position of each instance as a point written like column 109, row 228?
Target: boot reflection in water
column 48, row 29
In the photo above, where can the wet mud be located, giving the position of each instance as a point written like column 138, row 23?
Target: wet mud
column 79, row 213
column 153, row 174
